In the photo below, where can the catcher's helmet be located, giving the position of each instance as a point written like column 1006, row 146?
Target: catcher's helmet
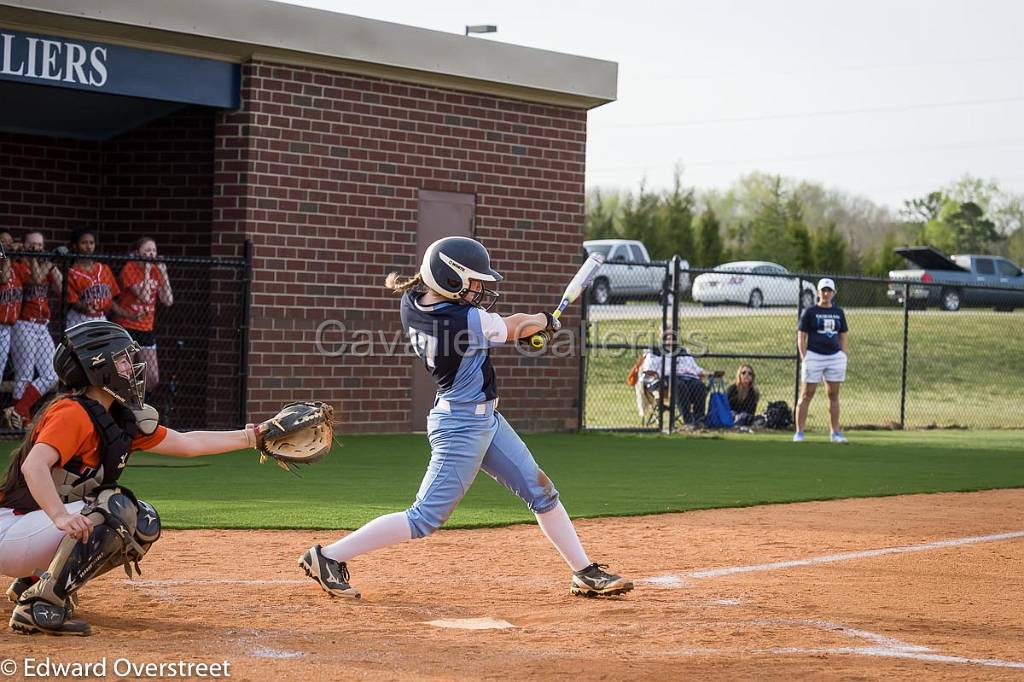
column 102, row 354
column 449, row 265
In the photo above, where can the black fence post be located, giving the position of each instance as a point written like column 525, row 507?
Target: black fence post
column 63, row 266
column 799, row 314
column 903, row 368
column 243, row 345
column 676, row 271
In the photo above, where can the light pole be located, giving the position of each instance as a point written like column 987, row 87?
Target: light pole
column 481, row 28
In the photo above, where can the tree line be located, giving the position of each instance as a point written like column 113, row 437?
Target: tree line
column 805, row 226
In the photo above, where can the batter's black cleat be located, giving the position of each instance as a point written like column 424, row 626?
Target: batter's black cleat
column 331, row 575
column 40, row 616
column 593, row 581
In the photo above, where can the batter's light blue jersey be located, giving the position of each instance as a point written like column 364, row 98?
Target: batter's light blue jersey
column 453, row 341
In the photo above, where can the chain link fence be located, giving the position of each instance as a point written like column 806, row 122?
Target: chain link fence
column 190, row 315
column 911, row 364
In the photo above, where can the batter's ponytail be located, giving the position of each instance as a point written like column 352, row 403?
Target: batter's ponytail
column 398, row 284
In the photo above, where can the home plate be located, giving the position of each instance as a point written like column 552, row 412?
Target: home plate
column 471, row 623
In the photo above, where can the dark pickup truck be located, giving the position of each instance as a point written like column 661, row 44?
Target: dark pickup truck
column 957, row 282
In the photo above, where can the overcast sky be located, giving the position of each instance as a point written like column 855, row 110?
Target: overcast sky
column 888, row 100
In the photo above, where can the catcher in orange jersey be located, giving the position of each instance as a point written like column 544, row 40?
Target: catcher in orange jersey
column 64, row 519
column 142, row 284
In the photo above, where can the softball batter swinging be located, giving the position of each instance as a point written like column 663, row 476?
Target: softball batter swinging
column 444, row 312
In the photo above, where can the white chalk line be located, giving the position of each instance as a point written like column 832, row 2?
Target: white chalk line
column 175, row 582
column 886, row 647
column 672, row 580
column 669, row 580
column 882, row 640
column 862, row 651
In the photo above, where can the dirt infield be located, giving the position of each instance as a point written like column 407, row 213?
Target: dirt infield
column 900, row 587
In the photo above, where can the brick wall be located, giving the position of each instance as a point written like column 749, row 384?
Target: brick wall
column 322, row 170
column 154, row 180
column 47, row 184
column 158, row 180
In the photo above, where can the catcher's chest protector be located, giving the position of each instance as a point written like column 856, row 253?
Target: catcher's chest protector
column 117, row 430
column 75, row 480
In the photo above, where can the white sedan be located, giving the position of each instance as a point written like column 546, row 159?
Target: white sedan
column 751, row 282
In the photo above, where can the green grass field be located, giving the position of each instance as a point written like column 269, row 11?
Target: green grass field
column 963, row 368
column 597, row 475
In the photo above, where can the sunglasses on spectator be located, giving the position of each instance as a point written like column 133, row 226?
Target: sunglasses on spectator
column 747, row 372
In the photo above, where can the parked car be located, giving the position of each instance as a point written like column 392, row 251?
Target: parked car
column 754, row 283
column 628, row 272
column 955, row 282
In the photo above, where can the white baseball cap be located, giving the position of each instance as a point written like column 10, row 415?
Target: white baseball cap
column 826, row 283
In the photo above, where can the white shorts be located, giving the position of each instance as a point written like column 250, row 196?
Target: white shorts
column 831, row 368
column 28, row 542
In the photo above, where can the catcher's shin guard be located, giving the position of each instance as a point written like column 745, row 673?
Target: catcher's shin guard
column 122, row 532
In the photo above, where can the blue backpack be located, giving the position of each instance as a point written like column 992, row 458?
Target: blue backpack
column 719, row 414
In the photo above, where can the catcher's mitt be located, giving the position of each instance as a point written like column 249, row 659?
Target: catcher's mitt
column 301, row 433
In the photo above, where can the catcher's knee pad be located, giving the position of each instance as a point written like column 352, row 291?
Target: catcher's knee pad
column 123, row 530
column 74, row 564
column 147, row 526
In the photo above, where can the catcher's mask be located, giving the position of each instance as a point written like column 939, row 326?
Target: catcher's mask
column 102, row 354
column 451, row 264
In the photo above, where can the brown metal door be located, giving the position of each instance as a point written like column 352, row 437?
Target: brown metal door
column 441, row 214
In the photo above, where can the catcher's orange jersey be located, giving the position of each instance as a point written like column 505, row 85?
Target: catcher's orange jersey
column 67, row 428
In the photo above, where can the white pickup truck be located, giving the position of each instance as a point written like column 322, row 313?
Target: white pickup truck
column 628, row 272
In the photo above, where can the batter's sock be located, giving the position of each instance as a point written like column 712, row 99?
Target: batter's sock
column 384, row 530
column 24, row 405
column 558, row 528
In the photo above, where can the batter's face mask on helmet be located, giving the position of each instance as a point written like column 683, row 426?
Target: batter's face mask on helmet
column 479, row 296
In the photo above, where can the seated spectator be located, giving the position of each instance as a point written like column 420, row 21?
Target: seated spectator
column 688, row 388
column 743, row 395
column 91, row 285
column 690, row 391
column 142, row 283
column 7, row 240
column 645, row 377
